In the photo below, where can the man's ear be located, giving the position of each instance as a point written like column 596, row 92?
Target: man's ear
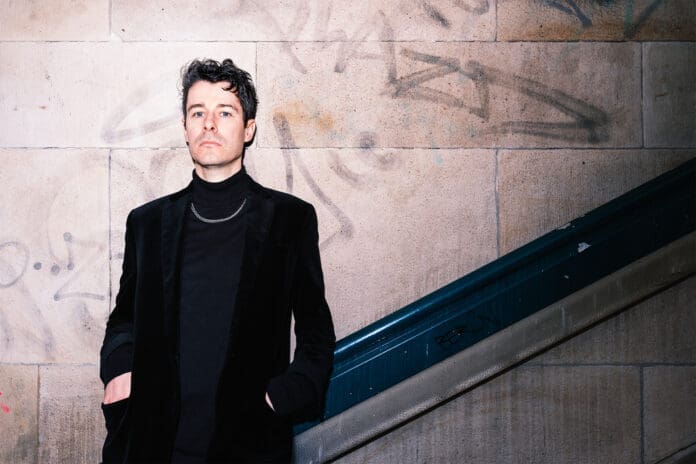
column 249, row 130
column 183, row 123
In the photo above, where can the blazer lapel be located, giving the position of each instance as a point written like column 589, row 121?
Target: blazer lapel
column 173, row 215
column 259, row 217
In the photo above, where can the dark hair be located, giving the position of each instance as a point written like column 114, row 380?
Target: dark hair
column 214, row 71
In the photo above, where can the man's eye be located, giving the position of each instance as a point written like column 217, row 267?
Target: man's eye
column 225, row 114
column 197, row 114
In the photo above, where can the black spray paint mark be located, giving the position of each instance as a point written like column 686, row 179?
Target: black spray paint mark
column 27, row 325
column 383, row 162
column 367, row 140
column 410, row 86
column 302, row 14
column 64, row 291
column 480, row 7
column 136, row 177
column 351, row 49
column 68, row 239
column 28, row 328
column 343, row 172
column 347, row 49
column 436, row 15
column 631, row 26
column 322, row 25
column 112, row 133
column 569, row 7
column 55, row 269
column 282, row 127
column 346, row 229
column 9, row 275
column 589, row 123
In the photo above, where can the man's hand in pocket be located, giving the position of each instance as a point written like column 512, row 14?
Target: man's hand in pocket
column 118, row 388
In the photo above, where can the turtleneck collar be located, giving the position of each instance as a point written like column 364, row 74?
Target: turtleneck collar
column 227, row 192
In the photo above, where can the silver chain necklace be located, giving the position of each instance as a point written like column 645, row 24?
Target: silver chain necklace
column 216, row 221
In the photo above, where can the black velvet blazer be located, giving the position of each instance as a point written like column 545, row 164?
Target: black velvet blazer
column 280, row 274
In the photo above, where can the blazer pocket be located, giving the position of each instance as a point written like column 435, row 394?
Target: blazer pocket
column 114, row 413
column 114, row 448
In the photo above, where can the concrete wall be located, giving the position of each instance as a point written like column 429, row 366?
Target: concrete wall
column 620, row 392
column 432, row 136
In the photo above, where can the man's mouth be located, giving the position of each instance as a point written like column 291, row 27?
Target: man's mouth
column 210, row 142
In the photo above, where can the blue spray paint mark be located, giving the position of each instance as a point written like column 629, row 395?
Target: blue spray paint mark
column 628, row 18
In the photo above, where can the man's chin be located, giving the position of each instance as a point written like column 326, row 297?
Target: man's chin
column 210, row 163
column 209, row 160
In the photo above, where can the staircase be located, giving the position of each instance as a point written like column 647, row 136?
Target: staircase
column 500, row 315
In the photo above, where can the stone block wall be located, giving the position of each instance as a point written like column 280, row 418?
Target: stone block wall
column 433, row 136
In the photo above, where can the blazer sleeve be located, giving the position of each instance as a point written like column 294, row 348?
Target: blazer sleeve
column 298, row 394
column 116, row 355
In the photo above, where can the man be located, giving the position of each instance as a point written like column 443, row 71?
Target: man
column 195, row 357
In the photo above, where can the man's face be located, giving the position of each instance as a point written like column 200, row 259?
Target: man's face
column 215, row 130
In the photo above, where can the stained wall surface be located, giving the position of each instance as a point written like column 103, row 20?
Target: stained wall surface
column 432, row 137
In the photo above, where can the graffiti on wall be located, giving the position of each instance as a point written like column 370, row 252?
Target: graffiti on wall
column 476, row 83
column 634, row 19
column 441, row 14
column 41, row 288
column 286, row 29
column 13, row 270
column 588, row 123
column 54, row 259
column 5, row 408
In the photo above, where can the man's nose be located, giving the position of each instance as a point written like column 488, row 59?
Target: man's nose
column 209, row 122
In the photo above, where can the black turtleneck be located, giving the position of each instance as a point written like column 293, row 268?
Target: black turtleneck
column 210, row 266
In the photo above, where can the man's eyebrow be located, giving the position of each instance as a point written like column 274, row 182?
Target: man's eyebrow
column 195, row 105
column 221, row 105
